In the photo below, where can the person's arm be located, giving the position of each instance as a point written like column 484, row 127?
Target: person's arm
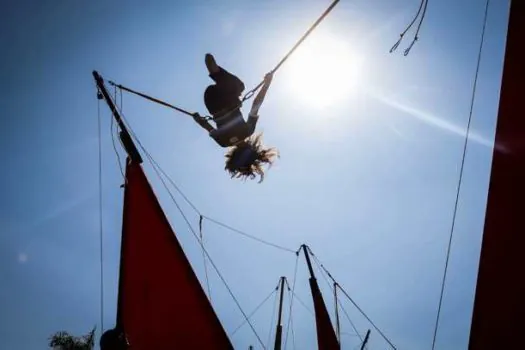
column 203, row 122
column 253, row 116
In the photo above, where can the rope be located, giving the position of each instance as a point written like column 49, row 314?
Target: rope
column 416, row 36
column 204, row 259
column 152, row 99
column 422, row 6
column 350, row 320
column 303, row 304
column 101, row 222
column 249, row 236
column 292, row 297
column 293, row 332
column 460, row 180
column 368, row 318
column 352, row 301
column 276, row 301
column 177, row 188
column 255, row 310
column 250, row 93
column 113, row 138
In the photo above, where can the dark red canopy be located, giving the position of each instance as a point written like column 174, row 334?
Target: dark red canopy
column 161, row 303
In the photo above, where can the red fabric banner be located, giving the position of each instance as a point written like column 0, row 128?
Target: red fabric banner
column 161, row 302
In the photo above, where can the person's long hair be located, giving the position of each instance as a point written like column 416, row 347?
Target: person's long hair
column 246, row 160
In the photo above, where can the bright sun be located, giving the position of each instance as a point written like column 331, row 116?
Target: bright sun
column 323, row 71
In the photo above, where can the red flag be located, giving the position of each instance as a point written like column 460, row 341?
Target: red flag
column 326, row 338
column 161, row 304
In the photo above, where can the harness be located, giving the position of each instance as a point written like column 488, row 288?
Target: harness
column 228, row 125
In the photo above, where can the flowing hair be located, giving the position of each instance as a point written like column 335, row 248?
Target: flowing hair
column 246, row 159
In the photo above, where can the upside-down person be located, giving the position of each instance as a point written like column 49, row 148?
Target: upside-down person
column 246, row 155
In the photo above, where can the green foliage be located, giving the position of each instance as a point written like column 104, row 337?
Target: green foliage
column 65, row 341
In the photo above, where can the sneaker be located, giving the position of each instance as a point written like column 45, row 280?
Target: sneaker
column 211, row 64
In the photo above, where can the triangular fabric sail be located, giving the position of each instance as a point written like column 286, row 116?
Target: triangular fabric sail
column 161, row 302
column 326, row 338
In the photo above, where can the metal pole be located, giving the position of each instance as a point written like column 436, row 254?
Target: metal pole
column 127, row 141
column 308, row 262
column 279, row 330
column 337, row 323
column 366, row 340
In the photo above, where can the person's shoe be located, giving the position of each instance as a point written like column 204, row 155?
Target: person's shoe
column 211, row 64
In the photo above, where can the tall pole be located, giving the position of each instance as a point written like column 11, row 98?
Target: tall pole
column 308, row 262
column 127, row 141
column 499, row 304
column 115, row 339
column 279, row 330
column 337, row 323
column 326, row 337
column 366, row 340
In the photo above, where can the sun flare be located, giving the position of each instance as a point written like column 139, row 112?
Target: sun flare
column 323, row 71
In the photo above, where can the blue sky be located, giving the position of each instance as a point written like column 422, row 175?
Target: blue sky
column 368, row 181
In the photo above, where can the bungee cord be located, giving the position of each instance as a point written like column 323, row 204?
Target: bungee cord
column 462, row 167
column 421, row 10
column 248, row 94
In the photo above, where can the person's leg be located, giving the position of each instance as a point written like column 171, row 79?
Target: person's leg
column 224, row 95
column 214, row 99
column 211, row 64
column 228, row 82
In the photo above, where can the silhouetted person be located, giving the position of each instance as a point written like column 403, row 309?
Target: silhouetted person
column 246, row 155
